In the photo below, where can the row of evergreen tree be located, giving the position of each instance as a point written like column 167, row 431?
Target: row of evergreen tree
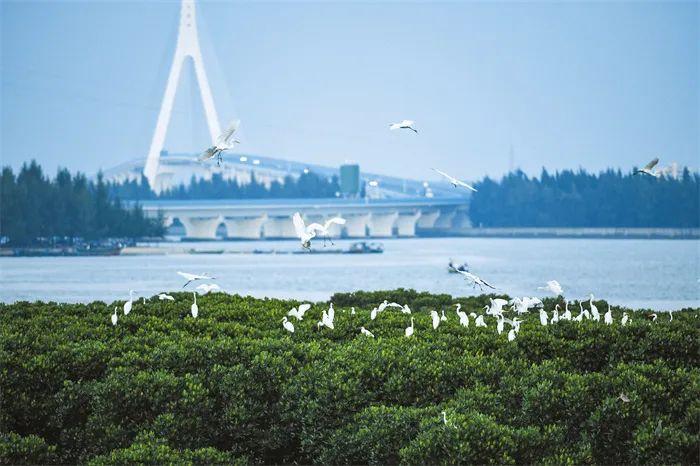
column 33, row 206
column 308, row 185
column 581, row 199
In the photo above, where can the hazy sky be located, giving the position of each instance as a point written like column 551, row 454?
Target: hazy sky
column 566, row 85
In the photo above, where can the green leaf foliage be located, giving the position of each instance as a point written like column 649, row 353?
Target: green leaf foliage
column 233, row 386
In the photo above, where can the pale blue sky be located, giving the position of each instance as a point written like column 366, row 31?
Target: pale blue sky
column 567, row 85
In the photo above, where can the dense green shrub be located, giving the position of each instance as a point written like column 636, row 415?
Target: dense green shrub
column 233, row 386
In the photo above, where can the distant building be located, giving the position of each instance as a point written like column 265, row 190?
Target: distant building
column 350, row 180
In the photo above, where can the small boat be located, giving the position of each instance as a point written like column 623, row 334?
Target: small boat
column 362, row 247
column 206, row 251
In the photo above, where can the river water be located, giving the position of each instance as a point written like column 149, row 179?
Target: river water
column 657, row 274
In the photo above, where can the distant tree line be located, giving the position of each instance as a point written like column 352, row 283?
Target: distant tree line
column 34, row 206
column 308, row 185
column 581, row 199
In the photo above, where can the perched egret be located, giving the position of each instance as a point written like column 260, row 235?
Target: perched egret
column 608, row 318
column 499, row 324
column 653, row 317
column 480, row 321
column 306, row 233
column 454, row 181
column 373, row 313
column 436, row 319
column 624, row 398
column 164, row 297
column 555, row 315
column 496, row 307
column 352, row 310
column 625, row 319
column 443, row 317
column 404, row 124
column 224, row 142
column 191, row 277
column 670, row 313
column 567, row 313
column 194, row 309
column 475, row 280
column 114, row 316
column 327, row 318
column 129, row 303
column 553, row 287
column 543, row 317
column 288, row 326
column 294, row 312
column 463, row 318
column 405, row 309
column 511, row 334
column 364, row 331
column 649, row 169
column 594, row 310
column 205, row 288
column 409, row 330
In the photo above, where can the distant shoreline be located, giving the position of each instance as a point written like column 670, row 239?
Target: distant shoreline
column 583, row 233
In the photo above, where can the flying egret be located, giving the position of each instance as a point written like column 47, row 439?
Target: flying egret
column 129, row 303
column 225, row 141
column 409, row 330
column 364, row 331
column 114, row 316
column 191, row 277
column 649, row 169
column 476, row 281
column 306, row 233
column 463, row 318
column 206, row 288
column 625, row 319
column 404, row 124
column 436, row 319
column 163, row 297
column 608, row 318
column 194, row 309
column 543, row 317
column 299, row 313
column 553, row 287
column 496, row 307
column 288, row 326
column 511, row 334
column 454, row 181
column 594, row 309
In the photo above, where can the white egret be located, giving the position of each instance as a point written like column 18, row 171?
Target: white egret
column 624, row 398
column 128, row 305
column 306, row 233
column 475, row 280
column 480, row 321
column 364, row 331
column 299, row 313
column 436, row 319
column 205, row 288
column 405, row 309
column 649, row 169
column 164, row 297
column 553, row 287
column 543, row 317
column 463, row 318
column 409, row 330
column 224, row 142
column 608, row 318
column 670, row 313
column 625, row 319
column 352, row 310
column 567, row 313
column 443, row 317
column 194, row 309
column 511, row 334
column 454, row 181
column 404, row 124
column 499, row 324
column 653, row 317
column 594, row 310
column 288, row 326
column 327, row 318
column 191, row 277
column 496, row 307
column 555, row 315
column 114, row 316
column 373, row 313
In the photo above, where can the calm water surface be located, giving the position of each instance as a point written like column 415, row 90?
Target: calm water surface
column 658, row 274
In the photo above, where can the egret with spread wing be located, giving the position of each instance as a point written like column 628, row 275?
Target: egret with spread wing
column 191, row 277
column 476, row 281
column 405, row 124
column 224, row 142
column 454, row 181
column 308, row 232
column 649, row 169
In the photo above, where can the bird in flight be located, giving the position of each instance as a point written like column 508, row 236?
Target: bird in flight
column 405, row 124
column 649, row 169
column 224, row 142
column 454, row 181
column 164, row 297
column 205, row 288
column 476, row 281
column 191, row 277
column 553, row 287
column 308, row 232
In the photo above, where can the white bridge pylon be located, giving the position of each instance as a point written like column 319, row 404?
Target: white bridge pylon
column 187, row 46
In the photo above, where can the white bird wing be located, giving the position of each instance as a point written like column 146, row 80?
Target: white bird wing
column 225, row 137
column 187, row 276
column 465, row 185
column 500, row 302
column 304, row 307
column 311, row 228
column 299, row 227
column 651, row 164
column 452, row 180
column 206, row 155
column 395, row 126
column 407, row 123
column 332, row 221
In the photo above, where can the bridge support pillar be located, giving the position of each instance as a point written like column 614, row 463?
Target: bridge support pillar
column 382, row 224
column 244, row 228
column 427, row 219
column 356, row 225
column 279, row 227
column 406, row 223
column 444, row 220
column 200, row 227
